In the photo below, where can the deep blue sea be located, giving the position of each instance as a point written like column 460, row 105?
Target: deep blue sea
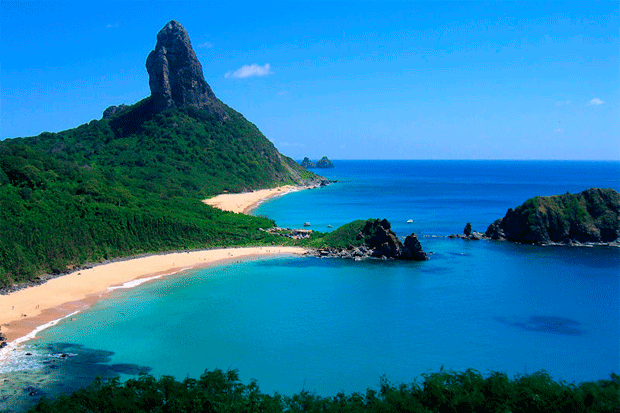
column 330, row 325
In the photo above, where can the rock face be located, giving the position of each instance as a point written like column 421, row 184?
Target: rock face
column 589, row 216
column 307, row 163
column 175, row 74
column 324, row 163
column 413, row 249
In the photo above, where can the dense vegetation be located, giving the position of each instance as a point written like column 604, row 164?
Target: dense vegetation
column 589, row 216
column 131, row 184
column 55, row 215
column 445, row 391
column 183, row 152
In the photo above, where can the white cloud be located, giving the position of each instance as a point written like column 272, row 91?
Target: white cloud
column 111, row 26
column 563, row 102
column 596, row 101
column 206, row 45
column 250, row 71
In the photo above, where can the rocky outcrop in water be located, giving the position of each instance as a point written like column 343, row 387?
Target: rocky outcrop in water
column 377, row 240
column 175, row 74
column 307, row 163
column 324, row 162
column 468, row 233
column 591, row 216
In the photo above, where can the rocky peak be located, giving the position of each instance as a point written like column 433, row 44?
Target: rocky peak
column 175, row 74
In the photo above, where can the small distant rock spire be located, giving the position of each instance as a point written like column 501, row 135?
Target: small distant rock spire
column 175, row 74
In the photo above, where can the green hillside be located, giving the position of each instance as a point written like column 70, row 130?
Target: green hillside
column 56, row 215
column 177, row 152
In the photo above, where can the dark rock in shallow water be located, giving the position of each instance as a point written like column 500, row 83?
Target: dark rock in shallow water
column 413, row 249
column 590, row 216
column 467, row 230
column 175, row 74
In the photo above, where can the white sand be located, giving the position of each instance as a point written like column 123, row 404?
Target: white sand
column 246, row 201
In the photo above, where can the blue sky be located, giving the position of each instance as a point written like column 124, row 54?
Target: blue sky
column 350, row 80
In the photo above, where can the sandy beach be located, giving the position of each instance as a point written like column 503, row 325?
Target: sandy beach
column 247, row 201
column 23, row 311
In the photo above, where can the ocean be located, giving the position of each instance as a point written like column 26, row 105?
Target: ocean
column 330, row 325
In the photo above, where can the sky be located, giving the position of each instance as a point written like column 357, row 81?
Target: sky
column 343, row 79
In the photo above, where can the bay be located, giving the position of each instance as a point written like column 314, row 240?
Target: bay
column 329, row 325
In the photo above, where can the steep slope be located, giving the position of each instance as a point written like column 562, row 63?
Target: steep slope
column 589, row 216
column 181, row 140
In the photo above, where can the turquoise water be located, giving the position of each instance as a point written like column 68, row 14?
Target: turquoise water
column 328, row 325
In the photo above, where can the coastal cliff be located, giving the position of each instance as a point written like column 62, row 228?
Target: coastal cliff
column 591, row 216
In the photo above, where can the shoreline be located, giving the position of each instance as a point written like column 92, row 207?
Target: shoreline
column 26, row 312
column 246, row 202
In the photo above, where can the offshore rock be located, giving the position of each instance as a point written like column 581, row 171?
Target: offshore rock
column 324, row 162
column 412, row 249
column 175, row 74
column 591, row 216
column 467, row 230
column 307, row 163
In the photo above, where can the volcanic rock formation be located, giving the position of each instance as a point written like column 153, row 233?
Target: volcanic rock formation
column 175, row 74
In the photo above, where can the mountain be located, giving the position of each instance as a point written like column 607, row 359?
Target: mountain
column 132, row 182
column 589, row 216
column 181, row 140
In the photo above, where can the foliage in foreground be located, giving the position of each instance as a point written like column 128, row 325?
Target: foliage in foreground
column 445, row 391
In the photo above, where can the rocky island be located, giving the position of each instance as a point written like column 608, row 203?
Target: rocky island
column 591, row 216
column 324, row 162
column 307, row 163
